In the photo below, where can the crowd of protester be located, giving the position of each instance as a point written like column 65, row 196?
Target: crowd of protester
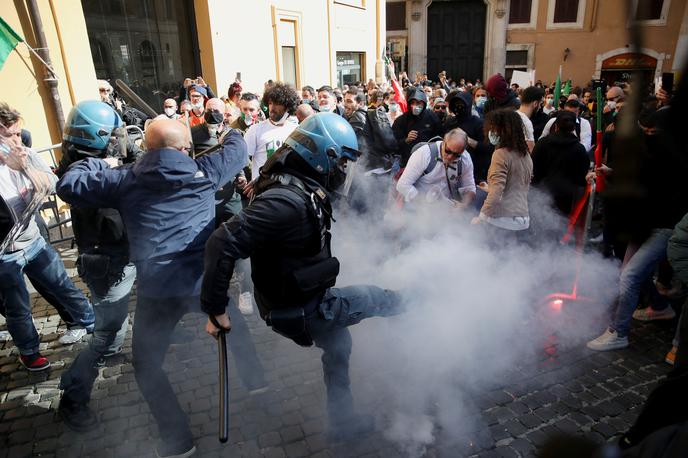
column 481, row 149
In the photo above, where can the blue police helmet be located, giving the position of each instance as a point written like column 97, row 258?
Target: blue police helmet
column 90, row 124
column 322, row 139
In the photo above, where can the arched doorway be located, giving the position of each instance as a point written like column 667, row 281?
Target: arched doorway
column 456, row 38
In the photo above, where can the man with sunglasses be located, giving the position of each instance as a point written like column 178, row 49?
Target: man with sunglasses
column 440, row 171
column 166, row 201
column 440, row 108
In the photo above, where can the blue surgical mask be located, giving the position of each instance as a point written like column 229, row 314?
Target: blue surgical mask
column 493, row 137
column 480, row 101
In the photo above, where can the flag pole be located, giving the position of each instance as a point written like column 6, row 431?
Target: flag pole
column 38, row 56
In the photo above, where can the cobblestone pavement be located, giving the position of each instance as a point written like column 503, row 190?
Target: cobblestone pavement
column 573, row 390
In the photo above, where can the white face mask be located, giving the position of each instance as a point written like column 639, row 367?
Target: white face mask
column 393, row 107
column 198, row 105
column 493, row 137
column 611, row 104
column 325, row 106
column 248, row 119
column 170, row 112
column 282, row 119
column 417, row 109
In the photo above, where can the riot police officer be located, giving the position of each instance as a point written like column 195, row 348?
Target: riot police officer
column 285, row 232
column 94, row 129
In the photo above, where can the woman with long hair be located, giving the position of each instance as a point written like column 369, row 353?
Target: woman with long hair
column 508, row 179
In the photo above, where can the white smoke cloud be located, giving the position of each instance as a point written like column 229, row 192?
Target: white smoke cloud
column 473, row 312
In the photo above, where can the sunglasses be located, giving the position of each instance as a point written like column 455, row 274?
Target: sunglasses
column 449, row 152
column 440, row 107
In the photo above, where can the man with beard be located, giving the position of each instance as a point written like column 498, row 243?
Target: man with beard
column 285, row 232
column 266, row 137
column 415, row 126
column 460, row 105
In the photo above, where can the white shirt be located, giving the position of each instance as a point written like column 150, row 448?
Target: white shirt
column 434, row 186
column 527, row 126
column 263, row 139
column 585, row 131
column 15, row 189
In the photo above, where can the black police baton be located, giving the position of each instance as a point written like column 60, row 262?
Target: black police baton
column 223, row 432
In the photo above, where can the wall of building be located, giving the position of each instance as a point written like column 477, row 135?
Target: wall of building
column 241, row 38
column 604, row 30
column 21, row 76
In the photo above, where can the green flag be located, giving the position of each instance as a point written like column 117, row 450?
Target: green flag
column 567, row 88
column 557, row 89
column 8, row 41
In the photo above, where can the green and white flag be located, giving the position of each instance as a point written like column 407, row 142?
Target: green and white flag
column 8, row 41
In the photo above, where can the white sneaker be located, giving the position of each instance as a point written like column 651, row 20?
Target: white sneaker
column 610, row 340
column 5, row 336
column 246, row 303
column 649, row 314
column 72, row 335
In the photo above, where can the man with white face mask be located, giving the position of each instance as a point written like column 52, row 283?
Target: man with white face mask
column 198, row 96
column 417, row 125
column 327, row 101
column 250, row 107
column 264, row 138
column 170, row 109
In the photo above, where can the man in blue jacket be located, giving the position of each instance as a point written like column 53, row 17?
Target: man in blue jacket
column 166, row 200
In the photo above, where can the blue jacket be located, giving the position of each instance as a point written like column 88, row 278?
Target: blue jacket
column 166, row 200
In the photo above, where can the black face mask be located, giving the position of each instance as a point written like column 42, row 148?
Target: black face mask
column 442, row 115
column 214, row 117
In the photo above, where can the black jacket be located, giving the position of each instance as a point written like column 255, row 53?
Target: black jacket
column 383, row 147
column 281, row 236
column 481, row 155
column 427, row 124
column 560, row 164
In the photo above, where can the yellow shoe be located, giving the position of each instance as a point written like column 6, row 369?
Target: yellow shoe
column 670, row 357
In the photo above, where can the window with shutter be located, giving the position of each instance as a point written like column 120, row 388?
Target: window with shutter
column 519, row 11
column 565, row 11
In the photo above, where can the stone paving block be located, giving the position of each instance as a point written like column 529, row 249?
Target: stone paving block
column 515, row 428
column 296, row 449
column 20, row 451
column 530, row 420
column 499, row 432
column 604, row 429
column 506, row 452
column 291, row 434
column 611, row 408
column 566, row 426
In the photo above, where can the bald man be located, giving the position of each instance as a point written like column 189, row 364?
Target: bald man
column 166, row 200
column 303, row 111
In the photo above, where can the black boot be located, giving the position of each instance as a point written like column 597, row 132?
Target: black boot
column 77, row 416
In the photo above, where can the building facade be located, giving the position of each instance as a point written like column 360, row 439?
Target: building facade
column 588, row 38
column 152, row 45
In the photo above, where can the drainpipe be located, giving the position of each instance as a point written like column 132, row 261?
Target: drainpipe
column 50, row 79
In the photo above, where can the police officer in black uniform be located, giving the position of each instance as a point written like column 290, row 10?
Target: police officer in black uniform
column 285, row 232
column 94, row 129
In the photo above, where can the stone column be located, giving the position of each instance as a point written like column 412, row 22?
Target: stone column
column 495, row 38
column 417, row 20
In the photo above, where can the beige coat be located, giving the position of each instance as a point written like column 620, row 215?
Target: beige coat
column 508, row 182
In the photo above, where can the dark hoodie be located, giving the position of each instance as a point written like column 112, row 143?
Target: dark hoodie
column 166, row 200
column 427, row 124
column 560, row 164
column 460, row 104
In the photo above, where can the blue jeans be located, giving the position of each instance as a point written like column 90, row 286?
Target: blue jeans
column 339, row 309
column 110, row 329
column 44, row 267
column 635, row 274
